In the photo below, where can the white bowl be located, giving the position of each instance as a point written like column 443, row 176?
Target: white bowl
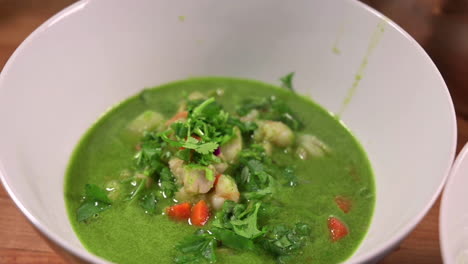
column 96, row 53
column 454, row 213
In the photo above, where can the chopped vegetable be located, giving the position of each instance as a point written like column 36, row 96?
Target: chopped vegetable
column 179, row 212
column 281, row 240
column 148, row 202
column 246, row 224
column 200, row 214
column 167, row 183
column 192, row 143
column 177, row 117
column 239, row 218
column 198, row 248
column 343, row 203
column 337, row 229
column 286, row 81
column 216, row 180
column 230, row 239
column 94, row 202
column 147, row 121
column 271, row 108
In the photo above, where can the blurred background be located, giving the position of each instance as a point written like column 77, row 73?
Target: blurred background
column 440, row 27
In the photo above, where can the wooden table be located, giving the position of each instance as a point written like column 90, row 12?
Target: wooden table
column 19, row 243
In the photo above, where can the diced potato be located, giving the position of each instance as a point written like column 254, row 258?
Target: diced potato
column 275, row 132
column 309, row 144
column 195, row 181
column 230, row 150
column 146, row 121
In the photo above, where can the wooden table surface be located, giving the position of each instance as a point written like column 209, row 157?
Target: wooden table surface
column 19, row 243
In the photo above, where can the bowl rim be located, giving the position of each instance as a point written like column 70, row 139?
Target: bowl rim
column 38, row 224
column 443, row 220
column 396, row 238
column 406, row 229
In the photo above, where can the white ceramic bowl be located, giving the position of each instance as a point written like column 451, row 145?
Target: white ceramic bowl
column 454, row 213
column 96, row 53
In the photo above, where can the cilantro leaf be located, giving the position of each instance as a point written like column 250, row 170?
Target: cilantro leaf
column 90, row 209
column 247, row 226
column 286, row 81
column 95, row 193
column 149, row 202
column 255, row 176
column 230, row 239
column 94, row 202
column 209, row 175
column 167, row 183
column 260, row 194
column 223, row 216
column 289, row 176
column 206, row 148
column 198, row 248
column 281, row 240
column 207, row 108
column 192, row 143
column 150, row 157
column 271, row 108
column 180, row 129
column 240, row 219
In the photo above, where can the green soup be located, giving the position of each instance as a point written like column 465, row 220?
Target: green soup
column 335, row 183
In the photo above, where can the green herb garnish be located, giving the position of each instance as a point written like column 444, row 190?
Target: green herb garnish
column 271, row 108
column 198, row 248
column 196, row 140
column 286, row 81
column 94, row 202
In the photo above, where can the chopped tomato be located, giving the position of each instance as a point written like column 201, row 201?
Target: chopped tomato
column 178, row 116
column 179, row 212
column 337, row 229
column 216, row 180
column 343, row 203
column 200, row 214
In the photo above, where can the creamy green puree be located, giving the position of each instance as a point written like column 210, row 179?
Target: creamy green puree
column 317, row 177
